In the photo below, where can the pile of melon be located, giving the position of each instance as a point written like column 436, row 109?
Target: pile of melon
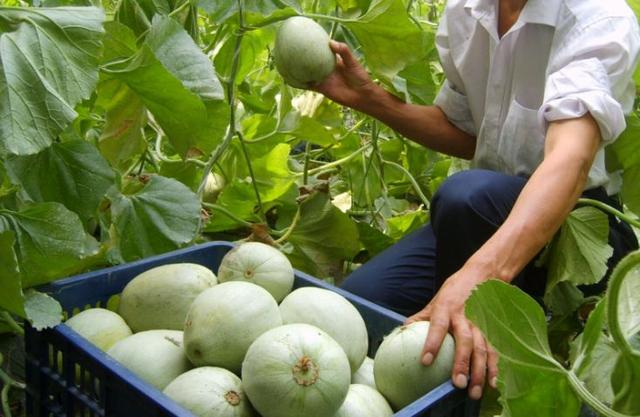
column 241, row 343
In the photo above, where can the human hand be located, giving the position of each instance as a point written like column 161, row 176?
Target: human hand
column 349, row 84
column 473, row 354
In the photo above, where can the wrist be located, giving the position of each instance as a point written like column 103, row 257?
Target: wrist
column 375, row 100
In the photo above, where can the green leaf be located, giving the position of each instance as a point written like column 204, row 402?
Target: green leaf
column 49, row 64
column 594, row 355
column 119, row 42
column 50, row 242
column 373, row 239
column 42, row 311
column 564, row 298
column 121, row 140
column 306, row 128
column 71, row 173
column 177, row 83
column 11, row 297
column 580, row 252
column 528, row 375
column 406, row 223
column 253, row 47
column 272, row 173
column 239, row 198
column 389, row 39
column 324, row 234
column 161, row 216
column 624, row 154
column 256, row 11
column 177, row 51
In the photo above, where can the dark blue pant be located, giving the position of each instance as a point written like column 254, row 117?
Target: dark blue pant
column 467, row 209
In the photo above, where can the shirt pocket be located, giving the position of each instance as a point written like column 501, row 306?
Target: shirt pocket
column 521, row 140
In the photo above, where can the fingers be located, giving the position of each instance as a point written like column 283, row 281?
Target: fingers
column 492, row 366
column 438, row 329
column 344, row 53
column 463, row 336
column 478, row 364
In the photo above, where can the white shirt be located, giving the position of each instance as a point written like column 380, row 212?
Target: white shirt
column 560, row 60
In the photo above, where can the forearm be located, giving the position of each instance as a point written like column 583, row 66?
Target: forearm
column 544, row 203
column 426, row 125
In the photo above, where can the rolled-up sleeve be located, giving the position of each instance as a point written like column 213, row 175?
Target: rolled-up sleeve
column 591, row 72
column 451, row 98
column 456, row 107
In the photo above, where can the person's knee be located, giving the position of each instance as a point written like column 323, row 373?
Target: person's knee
column 462, row 194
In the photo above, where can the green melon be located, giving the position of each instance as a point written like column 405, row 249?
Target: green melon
column 302, row 54
column 160, row 297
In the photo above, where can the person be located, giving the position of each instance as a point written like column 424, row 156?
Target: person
column 534, row 91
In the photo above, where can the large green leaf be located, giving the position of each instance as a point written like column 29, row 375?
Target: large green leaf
column 10, row 279
column 152, row 218
column 580, row 252
column 48, row 64
column 389, row 39
column 528, row 375
column 624, row 154
column 324, row 234
column 71, row 173
column 177, row 83
column 50, row 242
column 179, row 54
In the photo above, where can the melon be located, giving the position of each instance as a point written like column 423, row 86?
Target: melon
column 100, row 326
column 210, row 392
column 258, row 264
column 332, row 313
column 156, row 356
column 398, row 370
column 364, row 401
column 296, row 370
column 301, row 52
column 160, row 297
column 212, row 187
column 224, row 320
column 364, row 374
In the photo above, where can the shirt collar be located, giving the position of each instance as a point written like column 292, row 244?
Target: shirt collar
column 543, row 12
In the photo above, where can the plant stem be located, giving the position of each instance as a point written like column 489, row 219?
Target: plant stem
column 7, row 383
column 157, row 152
column 179, row 8
column 227, row 213
column 334, row 163
column 253, row 177
column 590, row 399
column 416, row 187
column 307, row 158
column 231, row 94
column 608, row 209
column 328, row 17
column 619, row 274
column 291, row 227
column 6, row 317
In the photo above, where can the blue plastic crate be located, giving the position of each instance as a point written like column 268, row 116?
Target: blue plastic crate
column 103, row 387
